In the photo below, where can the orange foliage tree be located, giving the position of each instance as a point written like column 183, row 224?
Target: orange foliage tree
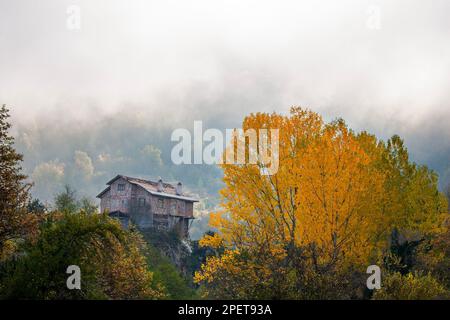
column 330, row 207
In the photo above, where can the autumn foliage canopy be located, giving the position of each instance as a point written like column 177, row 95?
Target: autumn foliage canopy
column 330, row 209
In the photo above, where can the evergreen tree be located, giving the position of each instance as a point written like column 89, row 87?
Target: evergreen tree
column 15, row 222
column 36, row 206
column 66, row 201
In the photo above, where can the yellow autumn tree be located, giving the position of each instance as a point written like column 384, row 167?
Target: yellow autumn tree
column 324, row 210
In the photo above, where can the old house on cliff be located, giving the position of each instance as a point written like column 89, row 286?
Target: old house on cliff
column 148, row 204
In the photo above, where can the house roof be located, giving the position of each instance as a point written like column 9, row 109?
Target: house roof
column 169, row 190
column 103, row 192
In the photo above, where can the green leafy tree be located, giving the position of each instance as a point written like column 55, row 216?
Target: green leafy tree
column 88, row 206
column 66, row 201
column 176, row 286
column 167, row 257
column 412, row 197
column 112, row 262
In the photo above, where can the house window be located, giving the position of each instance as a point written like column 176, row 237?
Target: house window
column 121, row 187
column 160, row 203
column 173, row 208
column 141, row 202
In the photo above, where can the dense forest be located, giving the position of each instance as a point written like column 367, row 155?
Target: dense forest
column 340, row 202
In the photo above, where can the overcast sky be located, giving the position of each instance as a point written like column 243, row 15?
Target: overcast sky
column 381, row 65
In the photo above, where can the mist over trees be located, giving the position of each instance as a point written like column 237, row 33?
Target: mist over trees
column 39, row 243
column 341, row 200
column 99, row 86
column 86, row 158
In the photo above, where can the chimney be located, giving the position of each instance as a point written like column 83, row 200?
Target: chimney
column 160, row 185
column 179, row 189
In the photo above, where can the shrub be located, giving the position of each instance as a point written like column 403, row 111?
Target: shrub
column 410, row 287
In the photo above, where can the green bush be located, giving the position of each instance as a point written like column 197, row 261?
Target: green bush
column 410, row 287
column 176, row 286
column 111, row 259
